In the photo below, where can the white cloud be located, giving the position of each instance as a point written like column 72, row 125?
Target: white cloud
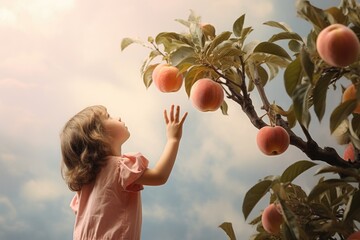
column 7, row 210
column 212, row 213
column 42, row 190
column 45, row 9
column 157, row 212
column 9, row 221
column 11, row 162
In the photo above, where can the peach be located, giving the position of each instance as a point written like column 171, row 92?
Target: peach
column 273, row 140
column 167, row 78
column 349, row 153
column 272, row 219
column 350, row 94
column 338, row 45
column 354, row 236
column 206, row 95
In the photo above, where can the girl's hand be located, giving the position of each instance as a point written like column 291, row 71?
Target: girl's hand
column 174, row 123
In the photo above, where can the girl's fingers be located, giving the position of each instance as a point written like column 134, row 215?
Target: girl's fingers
column 172, row 113
column 177, row 113
column 166, row 117
column 183, row 118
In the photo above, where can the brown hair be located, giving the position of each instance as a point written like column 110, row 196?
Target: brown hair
column 84, row 146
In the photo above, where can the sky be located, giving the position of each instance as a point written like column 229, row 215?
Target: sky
column 60, row 56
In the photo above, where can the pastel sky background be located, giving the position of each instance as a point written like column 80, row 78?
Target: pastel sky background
column 59, row 56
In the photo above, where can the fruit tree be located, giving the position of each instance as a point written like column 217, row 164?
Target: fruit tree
column 220, row 67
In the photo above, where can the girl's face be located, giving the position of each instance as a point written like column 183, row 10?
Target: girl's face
column 117, row 131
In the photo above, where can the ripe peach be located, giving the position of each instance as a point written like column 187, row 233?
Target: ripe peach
column 349, row 153
column 338, row 45
column 272, row 140
column 350, row 94
column 206, row 95
column 354, row 236
column 167, row 78
column 272, row 219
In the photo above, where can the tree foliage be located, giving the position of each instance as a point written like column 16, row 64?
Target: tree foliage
column 243, row 68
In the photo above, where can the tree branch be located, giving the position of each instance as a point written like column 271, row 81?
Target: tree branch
column 310, row 147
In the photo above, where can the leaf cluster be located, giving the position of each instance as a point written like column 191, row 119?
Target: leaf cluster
column 244, row 68
column 331, row 209
column 225, row 57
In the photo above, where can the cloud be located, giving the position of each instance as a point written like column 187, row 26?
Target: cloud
column 7, row 210
column 10, row 161
column 157, row 212
column 9, row 223
column 212, row 213
column 42, row 190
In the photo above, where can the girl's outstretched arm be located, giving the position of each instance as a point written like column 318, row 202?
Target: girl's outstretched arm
column 161, row 172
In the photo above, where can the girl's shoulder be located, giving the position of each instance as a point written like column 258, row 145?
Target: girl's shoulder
column 130, row 159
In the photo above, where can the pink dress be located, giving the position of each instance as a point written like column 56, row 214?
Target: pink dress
column 110, row 207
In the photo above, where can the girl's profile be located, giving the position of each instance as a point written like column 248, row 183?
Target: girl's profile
column 106, row 182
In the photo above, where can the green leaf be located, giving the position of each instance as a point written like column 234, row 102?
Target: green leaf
column 224, row 108
column 245, row 32
column 253, row 196
column 352, row 210
column 295, row 170
column 197, row 35
column 292, row 76
column 194, row 73
column 294, row 46
column 263, row 75
column 273, row 68
column 217, row 40
column 335, row 15
column 183, row 22
column 355, row 124
column 228, row 229
column 285, row 35
column 349, row 172
column 291, row 117
column 340, row 113
column 280, row 25
column 167, row 38
column 226, row 49
column 125, row 42
column 307, row 64
column 147, row 75
column 325, row 186
column 300, row 99
column 272, row 48
column 193, row 17
column 319, row 94
column 314, row 15
column 186, row 64
column 292, row 230
column 238, row 25
column 180, row 54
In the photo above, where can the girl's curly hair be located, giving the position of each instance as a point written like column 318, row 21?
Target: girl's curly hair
column 84, row 147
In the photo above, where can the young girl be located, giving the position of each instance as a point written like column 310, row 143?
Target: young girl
column 107, row 183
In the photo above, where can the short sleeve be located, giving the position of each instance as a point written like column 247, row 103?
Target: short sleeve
column 132, row 166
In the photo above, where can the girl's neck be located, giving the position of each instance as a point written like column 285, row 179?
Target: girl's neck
column 116, row 151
